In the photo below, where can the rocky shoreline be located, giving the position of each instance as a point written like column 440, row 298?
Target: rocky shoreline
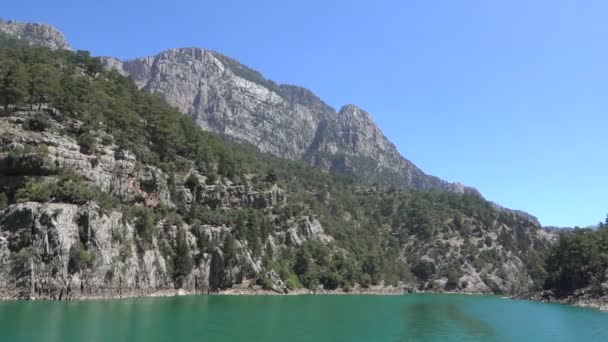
column 580, row 300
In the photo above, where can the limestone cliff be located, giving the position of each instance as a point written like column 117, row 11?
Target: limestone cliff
column 36, row 34
column 238, row 103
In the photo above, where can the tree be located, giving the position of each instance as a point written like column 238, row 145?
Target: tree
column 271, row 177
column 182, row 262
column 423, row 269
column 3, row 200
column 13, row 83
column 305, row 268
column 43, row 84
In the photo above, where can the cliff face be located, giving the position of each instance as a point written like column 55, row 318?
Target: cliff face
column 238, row 103
column 39, row 241
column 36, row 34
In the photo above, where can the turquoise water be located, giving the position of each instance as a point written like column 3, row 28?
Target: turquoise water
column 301, row 318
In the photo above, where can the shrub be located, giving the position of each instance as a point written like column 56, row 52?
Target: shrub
column 265, row 282
column 80, row 258
column 424, row 269
column 292, row 282
column 192, row 182
column 21, row 260
column 144, row 220
column 3, row 200
column 38, row 123
column 27, row 160
column 68, row 188
column 88, row 143
column 36, row 191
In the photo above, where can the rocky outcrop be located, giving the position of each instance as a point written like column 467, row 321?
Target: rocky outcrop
column 36, row 34
column 56, row 235
column 109, row 168
column 66, row 251
column 63, row 251
column 307, row 229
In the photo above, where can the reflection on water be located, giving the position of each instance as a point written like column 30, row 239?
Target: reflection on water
column 431, row 320
column 408, row 318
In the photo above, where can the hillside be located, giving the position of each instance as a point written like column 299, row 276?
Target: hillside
column 108, row 191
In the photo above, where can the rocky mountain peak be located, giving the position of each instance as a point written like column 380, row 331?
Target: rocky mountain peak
column 36, row 34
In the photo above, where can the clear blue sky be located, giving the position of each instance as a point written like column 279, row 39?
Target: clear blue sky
column 509, row 96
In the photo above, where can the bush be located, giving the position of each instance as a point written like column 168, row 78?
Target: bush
column 88, row 143
column 3, row 200
column 454, row 273
column 80, row 258
column 192, row 182
column 36, row 191
column 38, row 123
column 292, row 282
column 68, row 188
column 21, row 260
column 145, row 222
column 265, row 282
column 423, row 269
column 27, row 160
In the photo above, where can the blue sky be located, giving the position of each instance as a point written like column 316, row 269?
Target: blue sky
column 509, row 96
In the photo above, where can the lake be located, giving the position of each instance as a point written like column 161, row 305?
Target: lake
column 301, row 318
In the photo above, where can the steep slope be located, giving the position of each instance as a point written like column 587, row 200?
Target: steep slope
column 35, row 34
column 228, row 98
column 106, row 191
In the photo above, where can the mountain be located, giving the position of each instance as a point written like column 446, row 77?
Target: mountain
column 35, row 34
column 108, row 191
column 228, row 98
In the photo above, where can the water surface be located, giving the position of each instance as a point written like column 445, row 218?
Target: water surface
column 301, row 318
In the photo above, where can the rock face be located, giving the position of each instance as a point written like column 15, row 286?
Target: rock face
column 238, row 103
column 36, row 34
column 39, row 242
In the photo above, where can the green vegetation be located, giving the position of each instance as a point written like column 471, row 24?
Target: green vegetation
column 38, row 122
column 80, row 258
column 3, row 200
column 68, row 187
column 26, row 160
column 183, row 263
column 578, row 260
column 145, row 222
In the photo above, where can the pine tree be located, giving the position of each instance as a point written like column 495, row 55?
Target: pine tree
column 13, row 83
column 183, row 260
column 43, row 85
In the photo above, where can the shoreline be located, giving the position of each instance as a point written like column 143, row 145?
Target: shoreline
column 600, row 304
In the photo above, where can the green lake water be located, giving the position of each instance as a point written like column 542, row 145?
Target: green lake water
column 301, row 318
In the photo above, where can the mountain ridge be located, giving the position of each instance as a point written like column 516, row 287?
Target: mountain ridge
column 201, row 83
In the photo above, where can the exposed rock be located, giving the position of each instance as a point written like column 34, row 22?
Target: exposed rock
column 236, row 102
column 306, row 229
column 36, row 34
